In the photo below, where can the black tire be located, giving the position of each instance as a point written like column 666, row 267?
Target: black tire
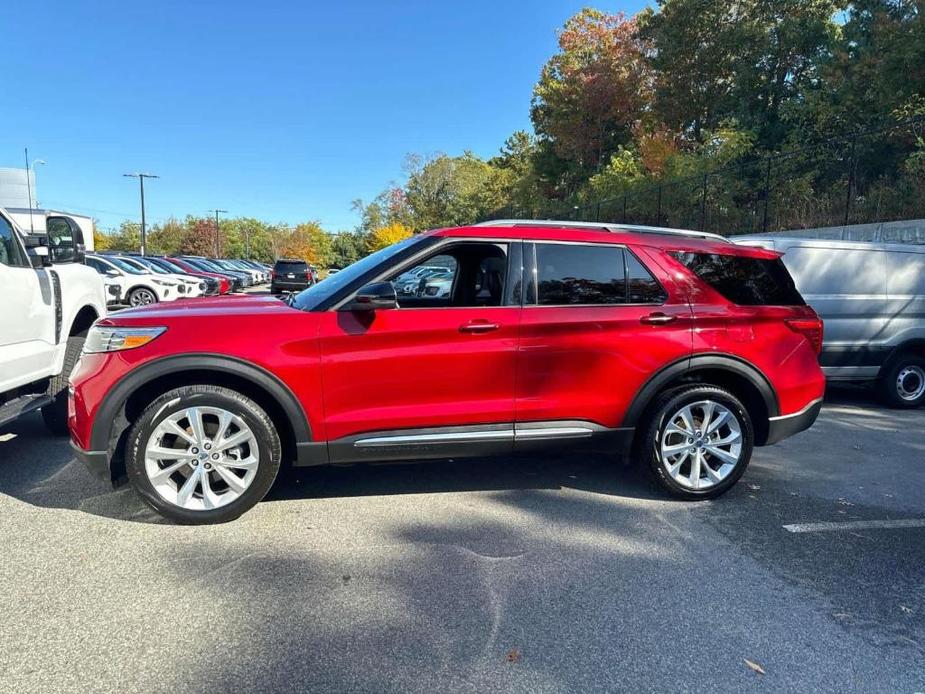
column 260, row 424
column 900, row 381
column 55, row 414
column 669, row 403
column 141, row 296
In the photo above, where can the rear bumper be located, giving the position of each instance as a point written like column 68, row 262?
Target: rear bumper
column 289, row 286
column 96, row 462
column 779, row 428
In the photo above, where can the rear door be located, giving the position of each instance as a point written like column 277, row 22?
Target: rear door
column 598, row 321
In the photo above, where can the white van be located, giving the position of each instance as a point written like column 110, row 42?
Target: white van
column 872, row 299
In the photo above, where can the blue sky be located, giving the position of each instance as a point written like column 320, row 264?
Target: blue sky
column 281, row 111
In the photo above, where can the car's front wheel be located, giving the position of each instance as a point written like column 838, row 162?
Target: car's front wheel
column 142, row 297
column 203, row 454
column 697, row 442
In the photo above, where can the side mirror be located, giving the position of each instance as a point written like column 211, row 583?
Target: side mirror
column 374, row 296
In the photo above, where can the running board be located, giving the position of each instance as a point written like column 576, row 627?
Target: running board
column 531, row 432
column 23, row 405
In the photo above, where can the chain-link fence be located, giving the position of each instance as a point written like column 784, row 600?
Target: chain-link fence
column 868, row 176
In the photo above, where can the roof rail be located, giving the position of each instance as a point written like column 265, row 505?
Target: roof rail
column 603, row 226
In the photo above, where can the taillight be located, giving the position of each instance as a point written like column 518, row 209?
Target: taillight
column 272, row 274
column 810, row 328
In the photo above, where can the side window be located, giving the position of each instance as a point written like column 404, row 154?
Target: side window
column 641, row 286
column 431, row 280
column 11, row 253
column 461, row 275
column 574, row 274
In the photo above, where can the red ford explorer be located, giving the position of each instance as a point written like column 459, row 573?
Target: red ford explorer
column 678, row 348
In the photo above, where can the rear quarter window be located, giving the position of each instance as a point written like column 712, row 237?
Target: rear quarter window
column 744, row 281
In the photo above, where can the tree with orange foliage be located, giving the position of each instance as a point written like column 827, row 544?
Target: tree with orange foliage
column 387, row 235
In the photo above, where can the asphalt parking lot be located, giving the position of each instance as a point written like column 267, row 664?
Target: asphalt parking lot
column 529, row 574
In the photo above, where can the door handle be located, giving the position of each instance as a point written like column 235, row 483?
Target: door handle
column 658, row 319
column 478, row 327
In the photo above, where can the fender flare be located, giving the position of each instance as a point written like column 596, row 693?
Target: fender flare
column 114, row 401
column 717, row 362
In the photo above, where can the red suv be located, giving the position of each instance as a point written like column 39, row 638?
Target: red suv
column 678, row 346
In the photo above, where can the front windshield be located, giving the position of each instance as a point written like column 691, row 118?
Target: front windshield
column 308, row 299
column 130, row 268
column 205, row 265
column 154, row 267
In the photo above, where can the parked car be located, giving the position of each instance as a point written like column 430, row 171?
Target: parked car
column 237, row 279
column 679, row 346
column 139, row 287
column 226, row 283
column 48, row 307
column 252, row 277
column 872, row 299
column 188, row 287
column 210, row 285
column 290, row 275
column 263, row 274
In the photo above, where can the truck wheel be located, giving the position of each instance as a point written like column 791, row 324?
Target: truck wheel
column 140, row 296
column 903, row 382
column 697, row 441
column 202, row 454
column 55, row 414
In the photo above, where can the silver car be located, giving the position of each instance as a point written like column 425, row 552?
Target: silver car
column 872, row 299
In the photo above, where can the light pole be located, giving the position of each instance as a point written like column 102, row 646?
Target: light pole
column 217, row 212
column 141, row 182
column 30, row 172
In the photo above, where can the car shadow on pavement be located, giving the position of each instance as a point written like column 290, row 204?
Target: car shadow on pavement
column 39, row 469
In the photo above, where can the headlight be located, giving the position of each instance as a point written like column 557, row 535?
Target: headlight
column 110, row 339
column 163, row 283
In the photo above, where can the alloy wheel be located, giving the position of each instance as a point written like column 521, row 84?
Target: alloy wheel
column 201, row 458
column 701, row 444
column 142, row 297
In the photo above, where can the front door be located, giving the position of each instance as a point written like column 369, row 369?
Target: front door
column 434, row 375
column 27, row 321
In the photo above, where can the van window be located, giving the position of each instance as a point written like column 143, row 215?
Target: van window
column 744, row 281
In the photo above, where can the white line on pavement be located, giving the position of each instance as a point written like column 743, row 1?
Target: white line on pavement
column 855, row 525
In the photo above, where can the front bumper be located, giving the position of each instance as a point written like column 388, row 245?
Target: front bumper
column 97, row 462
column 779, row 428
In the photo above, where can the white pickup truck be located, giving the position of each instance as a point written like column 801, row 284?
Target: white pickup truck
column 50, row 299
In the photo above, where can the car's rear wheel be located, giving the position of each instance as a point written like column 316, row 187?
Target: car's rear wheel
column 203, row 454
column 697, row 441
column 903, row 382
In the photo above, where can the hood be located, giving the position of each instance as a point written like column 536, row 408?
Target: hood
column 202, row 307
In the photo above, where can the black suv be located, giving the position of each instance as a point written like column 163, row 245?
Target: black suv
column 290, row 276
